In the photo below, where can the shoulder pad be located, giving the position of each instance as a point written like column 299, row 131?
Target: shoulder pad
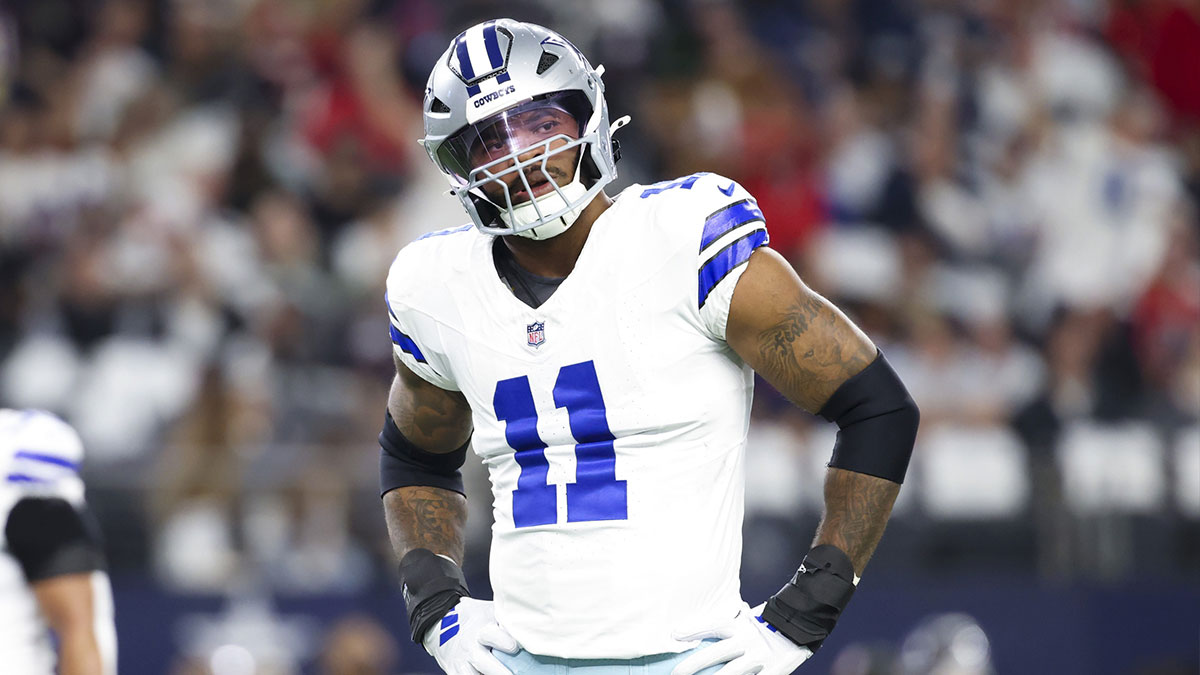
column 37, row 448
column 428, row 258
column 704, row 190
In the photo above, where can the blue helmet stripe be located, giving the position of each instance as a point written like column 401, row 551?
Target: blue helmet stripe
column 492, row 44
column 724, row 220
column 728, row 260
column 464, row 64
column 464, row 58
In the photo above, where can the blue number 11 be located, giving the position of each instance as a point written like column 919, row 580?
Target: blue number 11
column 596, row 493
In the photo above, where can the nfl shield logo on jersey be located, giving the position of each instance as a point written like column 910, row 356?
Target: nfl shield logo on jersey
column 537, row 333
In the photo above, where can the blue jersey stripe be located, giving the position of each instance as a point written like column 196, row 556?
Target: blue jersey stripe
column 25, row 478
column 388, row 302
column 442, row 233
column 729, row 217
column 685, row 183
column 727, row 260
column 48, row 459
column 406, row 344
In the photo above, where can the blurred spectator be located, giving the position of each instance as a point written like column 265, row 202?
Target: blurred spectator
column 949, row 644
column 358, row 645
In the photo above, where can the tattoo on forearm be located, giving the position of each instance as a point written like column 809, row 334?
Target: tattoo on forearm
column 857, row 507
column 426, row 517
column 809, row 368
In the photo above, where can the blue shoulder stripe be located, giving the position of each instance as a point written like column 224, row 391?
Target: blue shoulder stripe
column 48, row 459
column 727, row 260
column 406, row 344
column 387, row 301
column 25, row 478
column 727, row 218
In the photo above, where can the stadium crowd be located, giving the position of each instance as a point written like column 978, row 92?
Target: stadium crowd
column 200, row 199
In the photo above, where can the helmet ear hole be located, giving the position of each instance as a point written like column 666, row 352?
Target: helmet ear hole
column 439, row 106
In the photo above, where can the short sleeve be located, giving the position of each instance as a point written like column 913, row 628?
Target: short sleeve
column 44, row 456
column 414, row 342
column 733, row 227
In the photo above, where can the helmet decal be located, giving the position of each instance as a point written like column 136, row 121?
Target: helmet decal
column 479, row 53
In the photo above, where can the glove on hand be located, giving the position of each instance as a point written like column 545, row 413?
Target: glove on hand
column 746, row 645
column 462, row 642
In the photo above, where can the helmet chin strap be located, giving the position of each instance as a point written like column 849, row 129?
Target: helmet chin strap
column 553, row 202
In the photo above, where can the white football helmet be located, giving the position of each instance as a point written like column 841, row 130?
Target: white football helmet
column 505, row 107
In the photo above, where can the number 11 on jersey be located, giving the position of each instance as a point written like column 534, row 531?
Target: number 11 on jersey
column 596, row 493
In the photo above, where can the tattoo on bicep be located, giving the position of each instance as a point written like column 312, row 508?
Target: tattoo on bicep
column 857, row 507
column 809, row 352
column 432, row 418
column 437, row 419
column 426, row 517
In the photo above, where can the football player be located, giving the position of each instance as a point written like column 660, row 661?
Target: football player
column 51, row 565
column 597, row 353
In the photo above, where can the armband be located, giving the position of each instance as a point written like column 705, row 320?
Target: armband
column 877, row 423
column 807, row 607
column 432, row 586
column 403, row 464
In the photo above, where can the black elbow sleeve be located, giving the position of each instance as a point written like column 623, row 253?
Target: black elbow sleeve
column 877, row 423
column 403, row 464
column 50, row 537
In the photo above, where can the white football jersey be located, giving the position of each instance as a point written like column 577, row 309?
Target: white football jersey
column 40, row 456
column 612, row 419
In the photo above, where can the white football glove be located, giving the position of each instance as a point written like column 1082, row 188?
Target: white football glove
column 462, row 642
column 746, row 645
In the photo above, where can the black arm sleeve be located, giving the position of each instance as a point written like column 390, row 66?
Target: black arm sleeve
column 403, row 464
column 877, row 422
column 49, row 537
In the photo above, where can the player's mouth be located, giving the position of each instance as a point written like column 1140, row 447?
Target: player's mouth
column 540, row 185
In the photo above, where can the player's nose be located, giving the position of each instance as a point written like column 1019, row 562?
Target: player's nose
column 532, row 152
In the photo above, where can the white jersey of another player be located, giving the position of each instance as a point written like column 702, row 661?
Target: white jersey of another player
column 40, row 457
column 612, row 418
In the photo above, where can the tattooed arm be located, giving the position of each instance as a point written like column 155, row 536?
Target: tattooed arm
column 435, row 420
column 806, row 348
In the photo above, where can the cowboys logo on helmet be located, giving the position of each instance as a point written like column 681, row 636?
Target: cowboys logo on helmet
column 516, row 119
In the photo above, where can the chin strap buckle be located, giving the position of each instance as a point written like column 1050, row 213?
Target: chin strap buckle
column 612, row 129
